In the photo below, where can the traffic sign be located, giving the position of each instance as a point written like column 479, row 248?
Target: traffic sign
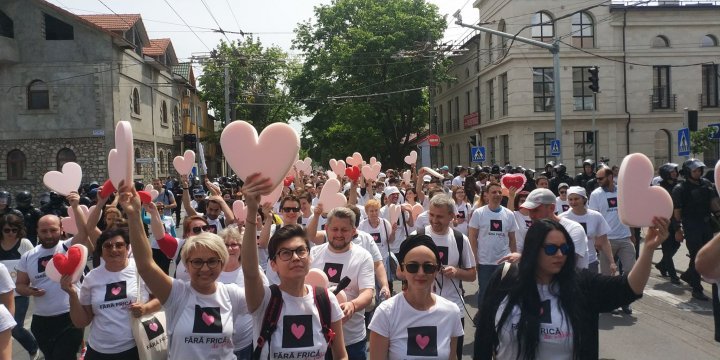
column 715, row 131
column 477, row 154
column 684, row 142
column 554, row 147
column 433, row 140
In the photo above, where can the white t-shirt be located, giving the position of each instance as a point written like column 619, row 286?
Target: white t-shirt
column 379, row 235
column 561, row 206
column 366, row 241
column 422, row 220
column 577, row 234
column 7, row 283
column 605, row 203
column 299, row 332
column 415, row 334
column 321, row 222
column 400, row 233
column 201, row 326
column 458, row 181
column 493, row 233
column 357, row 264
column 7, row 321
column 462, row 211
column 556, row 339
column 110, row 294
column 594, row 224
column 523, row 222
column 242, row 337
column 449, row 256
column 55, row 301
column 217, row 223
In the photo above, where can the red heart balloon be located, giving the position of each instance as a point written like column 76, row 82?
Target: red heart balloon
column 168, row 245
column 353, row 173
column 145, row 197
column 67, row 264
column 107, row 189
column 288, row 180
column 513, row 180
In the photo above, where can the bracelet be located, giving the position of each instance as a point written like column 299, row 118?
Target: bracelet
column 185, row 188
column 354, row 308
column 250, row 222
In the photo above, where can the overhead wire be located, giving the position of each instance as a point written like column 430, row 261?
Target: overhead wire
column 186, row 24
column 235, row 17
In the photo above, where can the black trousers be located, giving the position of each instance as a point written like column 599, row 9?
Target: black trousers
column 669, row 248
column 57, row 338
column 460, row 341
column 716, row 311
column 131, row 354
column 697, row 234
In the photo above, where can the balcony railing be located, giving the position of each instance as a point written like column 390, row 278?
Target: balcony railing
column 663, row 102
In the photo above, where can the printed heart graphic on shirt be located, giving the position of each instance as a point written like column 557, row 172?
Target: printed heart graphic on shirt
column 120, row 159
column 332, row 272
column 613, row 202
column 353, row 173
column 116, row 290
column 330, row 196
column 338, row 167
column 496, row 226
column 422, row 341
column 71, row 263
column 371, row 172
column 65, row 181
column 44, row 263
column 442, row 255
column 208, row 319
column 272, row 153
column 184, row 164
column 355, row 160
column 637, row 201
column 153, row 327
column 297, row 330
column 412, row 158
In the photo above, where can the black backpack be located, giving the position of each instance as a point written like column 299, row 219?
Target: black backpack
column 458, row 240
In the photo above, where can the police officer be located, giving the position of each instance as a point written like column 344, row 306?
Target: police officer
column 692, row 200
column 56, row 206
column 31, row 214
column 561, row 176
column 549, row 167
column 586, row 175
column 669, row 176
column 6, row 204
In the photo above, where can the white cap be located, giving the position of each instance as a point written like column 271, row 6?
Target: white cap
column 539, row 197
column 577, row 190
column 381, row 176
column 391, row 190
column 427, row 178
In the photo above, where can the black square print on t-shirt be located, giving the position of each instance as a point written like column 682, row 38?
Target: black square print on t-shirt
column 545, row 313
column 153, row 328
column 565, row 207
column 42, row 263
column 443, row 252
column 376, row 237
column 461, row 214
column 333, row 271
column 297, row 331
column 584, row 225
column 612, row 202
column 207, row 320
column 422, row 341
column 495, row 225
column 115, row 291
column 528, row 223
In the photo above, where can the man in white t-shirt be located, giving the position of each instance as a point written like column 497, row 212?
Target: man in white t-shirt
column 459, row 181
column 457, row 267
column 405, row 222
column 340, row 258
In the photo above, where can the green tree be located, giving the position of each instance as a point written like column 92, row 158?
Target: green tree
column 257, row 77
column 700, row 140
column 363, row 80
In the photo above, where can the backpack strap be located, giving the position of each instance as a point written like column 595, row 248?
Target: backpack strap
column 322, row 303
column 459, row 241
column 270, row 319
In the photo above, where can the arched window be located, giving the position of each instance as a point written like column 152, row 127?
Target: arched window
column 176, row 120
column 709, row 41
column 16, row 165
column 583, row 31
column 138, row 166
column 543, row 27
column 660, row 42
column 135, row 106
column 65, row 155
column 163, row 113
column 6, row 26
column 38, row 96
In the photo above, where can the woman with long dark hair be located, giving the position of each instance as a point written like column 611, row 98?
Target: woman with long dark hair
column 543, row 308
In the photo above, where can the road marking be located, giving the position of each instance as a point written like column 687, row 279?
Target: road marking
column 675, row 301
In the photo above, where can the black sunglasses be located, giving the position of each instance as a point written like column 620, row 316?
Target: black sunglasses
column 199, row 229
column 10, row 230
column 291, row 209
column 427, row 268
column 552, row 249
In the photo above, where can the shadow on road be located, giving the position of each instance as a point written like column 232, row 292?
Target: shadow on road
column 610, row 321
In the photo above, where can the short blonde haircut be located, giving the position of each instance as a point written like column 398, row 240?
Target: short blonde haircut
column 231, row 232
column 372, row 203
column 207, row 240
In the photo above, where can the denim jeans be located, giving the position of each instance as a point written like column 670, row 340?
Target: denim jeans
column 484, row 273
column 245, row 354
column 19, row 332
column 356, row 351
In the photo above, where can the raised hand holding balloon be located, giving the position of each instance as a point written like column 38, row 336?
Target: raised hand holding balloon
column 638, row 202
column 66, row 181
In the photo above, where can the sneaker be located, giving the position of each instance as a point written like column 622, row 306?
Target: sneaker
column 698, row 295
column 615, row 312
column 627, row 309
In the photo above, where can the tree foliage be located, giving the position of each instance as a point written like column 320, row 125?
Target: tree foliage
column 355, row 48
column 700, row 140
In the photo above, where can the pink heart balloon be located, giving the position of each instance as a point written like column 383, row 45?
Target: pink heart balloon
column 355, row 160
column 331, row 174
column 121, row 158
column 272, row 153
column 317, row 277
column 338, row 167
column 371, row 172
column 151, row 190
column 184, row 164
column 68, row 223
column 417, row 209
column 433, row 172
column 407, row 176
column 330, row 196
column 239, row 210
column 412, row 158
column 373, row 160
column 273, row 196
column 53, row 274
column 304, row 165
column 66, row 181
column 717, row 177
column 395, row 211
column 638, row 202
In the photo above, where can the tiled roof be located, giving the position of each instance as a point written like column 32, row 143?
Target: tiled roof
column 113, row 22
column 183, row 70
column 157, row 47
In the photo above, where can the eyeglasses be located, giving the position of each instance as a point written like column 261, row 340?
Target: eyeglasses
column 427, row 268
column 552, row 249
column 198, row 229
column 116, row 246
column 287, row 254
column 291, row 209
column 563, row 192
column 10, row 230
column 232, row 246
column 198, row 263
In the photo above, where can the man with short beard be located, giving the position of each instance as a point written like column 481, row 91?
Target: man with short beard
column 340, row 258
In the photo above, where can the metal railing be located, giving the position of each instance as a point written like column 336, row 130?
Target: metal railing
column 663, row 102
column 639, row 3
column 708, row 101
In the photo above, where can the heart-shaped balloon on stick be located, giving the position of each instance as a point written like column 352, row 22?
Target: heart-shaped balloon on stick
column 152, row 191
column 717, row 177
column 417, row 209
column 288, row 180
column 395, row 211
column 373, row 160
column 412, row 158
column 513, row 180
column 168, row 245
column 184, row 164
column 371, row 172
column 66, row 181
column 637, row 201
column 338, row 167
column 304, row 165
column 407, row 176
column 145, row 197
column 353, row 173
column 121, row 158
column 272, row 197
column 317, row 277
column 331, row 174
column 68, row 223
column 432, row 172
column 330, row 195
column 107, row 189
column 239, row 210
column 71, row 263
column 355, row 160
column 271, row 154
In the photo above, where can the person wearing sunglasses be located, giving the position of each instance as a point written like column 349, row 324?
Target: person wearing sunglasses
column 561, row 202
column 290, row 209
column 289, row 257
column 416, row 323
column 544, row 308
column 201, row 312
column 105, row 297
column 193, row 225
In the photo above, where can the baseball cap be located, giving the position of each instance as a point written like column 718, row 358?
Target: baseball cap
column 563, row 185
column 577, row 190
column 446, row 168
column 199, row 192
column 427, row 178
column 382, row 176
column 539, row 197
column 391, row 190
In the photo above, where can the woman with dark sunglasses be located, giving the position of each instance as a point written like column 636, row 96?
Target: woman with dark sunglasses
column 544, row 308
column 416, row 323
column 193, row 225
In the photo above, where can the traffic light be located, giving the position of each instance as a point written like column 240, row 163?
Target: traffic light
column 594, row 79
column 589, row 137
column 190, row 141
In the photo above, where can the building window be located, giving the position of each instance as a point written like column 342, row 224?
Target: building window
column 709, row 41
column 56, row 29
column 506, row 148
column 161, row 159
column 542, row 149
column 583, row 30
column 710, row 85
column 503, row 40
column 135, row 101
column 6, row 26
column 467, row 73
column 163, row 113
column 490, row 150
column 38, row 96
column 448, row 122
column 584, row 148
column 64, row 156
column 504, row 94
column 467, row 102
column 542, row 27
column 16, row 165
column 169, row 162
column 177, row 129
column 660, row 41
column 491, row 98
column 441, row 120
column 582, row 95
column 456, row 121
column 138, row 166
column 661, row 88
column 543, row 89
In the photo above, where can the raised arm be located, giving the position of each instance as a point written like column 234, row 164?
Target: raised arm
column 255, row 290
column 80, row 222
column 266, row 225
column 317, row 237
column 656, row 234
column 186, row 197
column 353, row 195
column 156, row 224
column 707, row 261
column 419, row 182
column 93, row 232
